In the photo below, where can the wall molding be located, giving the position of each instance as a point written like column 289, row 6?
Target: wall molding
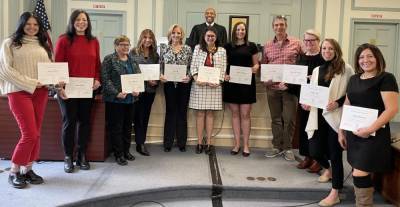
column 108, row 1
column 341, row 19
column 323, row 19
column 360, row 8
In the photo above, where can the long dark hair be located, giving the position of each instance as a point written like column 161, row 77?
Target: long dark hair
column 233, row 34
column 19, row 33
column 337, row 63
column 71, row 31
column 380, row 61
column 203, row 44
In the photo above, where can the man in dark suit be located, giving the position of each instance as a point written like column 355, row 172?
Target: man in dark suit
column 198, row 29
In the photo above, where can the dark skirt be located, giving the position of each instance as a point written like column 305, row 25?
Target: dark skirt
column 373, row 154
column 239, row 93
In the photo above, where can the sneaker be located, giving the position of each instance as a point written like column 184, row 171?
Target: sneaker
column 288, row 155
column 17, row 180
column 273, row 152
column 33, row 178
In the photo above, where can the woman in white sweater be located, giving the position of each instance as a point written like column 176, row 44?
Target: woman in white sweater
column 27, row 97
column 323, row 124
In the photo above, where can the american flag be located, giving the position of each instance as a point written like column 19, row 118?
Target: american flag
column 40, row 11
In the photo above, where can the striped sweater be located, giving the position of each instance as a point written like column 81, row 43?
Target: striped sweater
column 18, row 65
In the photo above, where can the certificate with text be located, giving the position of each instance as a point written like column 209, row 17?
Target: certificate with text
column 132, row 83
column 272, row 72
column 295, row 74
column 174, row 72
column 208, row 74
column 240, row 75
column 53, row 73
column 314, row 95
column 150, row 71
column 79, row 88
column 354, row 118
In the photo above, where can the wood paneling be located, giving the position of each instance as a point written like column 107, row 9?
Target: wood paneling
column 389, row 183
column 51, row 147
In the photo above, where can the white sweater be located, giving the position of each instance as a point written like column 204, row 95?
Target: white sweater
column 18, row 65
column 337, row 89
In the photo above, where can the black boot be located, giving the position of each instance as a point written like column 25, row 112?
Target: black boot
column 82, row 162
column 141, row 149
column 129, row 156
column 68, row 165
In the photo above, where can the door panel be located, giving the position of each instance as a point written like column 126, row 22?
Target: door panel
column 384, row 36
column 106, row 27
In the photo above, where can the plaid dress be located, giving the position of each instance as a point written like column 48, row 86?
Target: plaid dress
column 206, row 97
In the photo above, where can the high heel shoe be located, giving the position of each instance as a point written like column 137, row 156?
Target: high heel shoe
column 245, row 154
column 208, row 149
column 233, row 152
column 199, row 149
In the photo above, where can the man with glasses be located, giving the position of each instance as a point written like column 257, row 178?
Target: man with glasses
column 198, row 29
column 282, row 101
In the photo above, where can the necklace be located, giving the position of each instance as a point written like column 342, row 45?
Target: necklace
column 212, row 49
column 366, row 76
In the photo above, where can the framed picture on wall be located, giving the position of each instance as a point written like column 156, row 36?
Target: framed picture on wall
column 233, row 19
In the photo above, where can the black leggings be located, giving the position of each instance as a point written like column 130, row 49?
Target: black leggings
column 324, row 146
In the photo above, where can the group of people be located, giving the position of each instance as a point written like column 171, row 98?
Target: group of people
column 321, row 140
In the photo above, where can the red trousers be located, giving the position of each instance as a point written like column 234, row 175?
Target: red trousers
column 28, row 110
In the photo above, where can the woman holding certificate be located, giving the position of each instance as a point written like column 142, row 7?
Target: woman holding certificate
column 323, row 124
column 371, row 88
column 311, row 58
column 27, row 97
column 144, row 53
column 175, row 60
column 119, row 104
column 80, row 49
column 241, row 52
column 206, row 96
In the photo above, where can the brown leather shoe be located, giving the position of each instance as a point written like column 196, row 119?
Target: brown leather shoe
column 305, row 163
column 314, row 168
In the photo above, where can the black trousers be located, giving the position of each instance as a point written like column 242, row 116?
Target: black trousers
column 324, row 146
column 142, row 115
column 119, row 119
column 303, row 138
column 176, row 105
column 75, row 114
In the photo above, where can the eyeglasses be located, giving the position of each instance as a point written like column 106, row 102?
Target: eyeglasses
column 124, row 45
column 310, row 40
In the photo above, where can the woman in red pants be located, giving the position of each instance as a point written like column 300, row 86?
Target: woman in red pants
column 27, row 97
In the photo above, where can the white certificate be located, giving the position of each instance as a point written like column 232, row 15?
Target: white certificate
column 150, row 71
column 208, row 74
column 272, row 72
column 241, row 75
column 132, row 83
column 295, row 74
column 314, row 95
column 53, row 73
column 174, row 72
column 354, row 118
column 79, row 88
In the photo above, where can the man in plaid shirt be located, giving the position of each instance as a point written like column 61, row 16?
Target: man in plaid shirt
column 282, row 102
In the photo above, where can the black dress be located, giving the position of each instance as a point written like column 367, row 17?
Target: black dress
column 240, row 55
column 372, row 154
